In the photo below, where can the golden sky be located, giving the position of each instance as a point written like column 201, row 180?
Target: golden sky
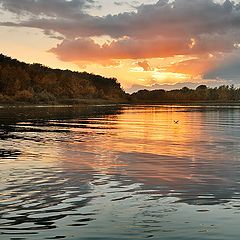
column 146, row 43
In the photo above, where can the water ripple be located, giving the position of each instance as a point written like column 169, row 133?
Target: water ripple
column 120, row 173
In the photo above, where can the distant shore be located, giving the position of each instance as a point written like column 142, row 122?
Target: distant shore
column 86, row 103
column 187, row 103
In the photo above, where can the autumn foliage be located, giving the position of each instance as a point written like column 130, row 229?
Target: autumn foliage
column 35, row 83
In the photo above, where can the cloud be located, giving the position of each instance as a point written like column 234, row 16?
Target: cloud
column 52, row 8
column 228, row 69
column 85, row 49
column 194, row 67
column 185, row 18
column 133, row 5
column 164, row 29
column 145, row 65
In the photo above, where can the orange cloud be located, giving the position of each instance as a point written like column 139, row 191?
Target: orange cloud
column 194, row 67
column 190, row 28
column 86, row 50
column 145, row 65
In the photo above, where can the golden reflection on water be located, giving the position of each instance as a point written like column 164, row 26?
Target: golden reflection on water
column 141, row 142
column 128, row 172
column 145, row 143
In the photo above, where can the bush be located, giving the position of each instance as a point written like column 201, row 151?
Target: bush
column 44, row 97
column 24, row 96
column 5, row 99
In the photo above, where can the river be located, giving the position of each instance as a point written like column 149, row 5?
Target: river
column 120, row 172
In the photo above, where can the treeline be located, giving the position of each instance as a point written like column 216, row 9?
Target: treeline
column 202, row 93
column 35, row 83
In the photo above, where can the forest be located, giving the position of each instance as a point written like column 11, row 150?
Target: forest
column 35, row 83
column 221, row 94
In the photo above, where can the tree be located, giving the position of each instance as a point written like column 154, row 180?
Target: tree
column 23, row 82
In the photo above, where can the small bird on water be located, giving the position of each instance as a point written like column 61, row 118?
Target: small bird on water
column 176, row 121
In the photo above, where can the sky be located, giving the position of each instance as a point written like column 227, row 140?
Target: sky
column 144, row 44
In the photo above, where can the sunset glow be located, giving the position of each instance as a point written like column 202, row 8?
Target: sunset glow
column 142, row 43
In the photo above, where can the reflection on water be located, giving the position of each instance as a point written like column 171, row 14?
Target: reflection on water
column 120, row 173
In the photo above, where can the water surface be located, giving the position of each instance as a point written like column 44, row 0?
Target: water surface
column 127, row 172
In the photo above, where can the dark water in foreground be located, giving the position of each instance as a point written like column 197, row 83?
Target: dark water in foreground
column 120, row 173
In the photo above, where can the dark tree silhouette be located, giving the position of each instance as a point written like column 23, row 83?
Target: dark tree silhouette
column 36, row 83
column 202, row 93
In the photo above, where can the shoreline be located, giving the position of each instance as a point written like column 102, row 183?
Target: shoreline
column 111, row 103
column 64, row 103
